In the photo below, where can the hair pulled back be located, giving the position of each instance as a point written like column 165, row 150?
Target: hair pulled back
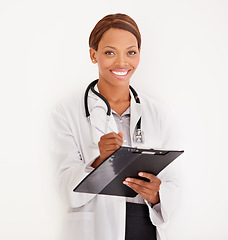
column 119, row 21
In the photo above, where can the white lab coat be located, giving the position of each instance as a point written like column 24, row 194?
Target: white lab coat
column 102, row 217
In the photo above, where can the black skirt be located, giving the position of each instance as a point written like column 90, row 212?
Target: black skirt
column 138, row 224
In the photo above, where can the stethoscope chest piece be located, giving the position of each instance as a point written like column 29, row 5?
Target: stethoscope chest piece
column 138, row 137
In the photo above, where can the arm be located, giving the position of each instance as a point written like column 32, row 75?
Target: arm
column 170, row 178
column 169, row 196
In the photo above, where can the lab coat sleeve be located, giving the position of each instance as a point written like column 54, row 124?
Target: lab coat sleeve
column 170, row 186
column 70, row 167
column 169, row 196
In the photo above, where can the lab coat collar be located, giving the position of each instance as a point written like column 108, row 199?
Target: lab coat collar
column 95, row 101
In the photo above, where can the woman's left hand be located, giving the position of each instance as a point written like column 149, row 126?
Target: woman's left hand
column 148, row 190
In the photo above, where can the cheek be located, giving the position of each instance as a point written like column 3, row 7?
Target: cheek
column 135, row 62
column 104, row 63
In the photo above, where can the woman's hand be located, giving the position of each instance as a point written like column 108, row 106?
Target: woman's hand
column 108, row 144
column 148, row 190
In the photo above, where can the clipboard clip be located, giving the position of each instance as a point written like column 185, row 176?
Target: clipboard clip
column 148, row 151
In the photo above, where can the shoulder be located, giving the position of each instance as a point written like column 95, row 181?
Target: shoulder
column 166, row 119
column 154, row 106
column 70, row 104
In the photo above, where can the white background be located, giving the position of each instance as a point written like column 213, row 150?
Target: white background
column 44, row 57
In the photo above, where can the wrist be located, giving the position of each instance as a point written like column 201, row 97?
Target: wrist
column 156, row 199
column 97, row 162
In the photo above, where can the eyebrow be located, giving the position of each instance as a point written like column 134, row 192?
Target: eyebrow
column 115, row 48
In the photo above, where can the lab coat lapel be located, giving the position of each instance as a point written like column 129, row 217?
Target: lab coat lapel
column 94, row 100
column 136, row 113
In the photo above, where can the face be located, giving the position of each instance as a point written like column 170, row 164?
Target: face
column 117, row 57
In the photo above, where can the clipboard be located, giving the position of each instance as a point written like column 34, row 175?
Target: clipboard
column 108, row 177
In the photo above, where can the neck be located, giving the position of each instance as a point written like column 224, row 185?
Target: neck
column 114, row 94
column 117, row 96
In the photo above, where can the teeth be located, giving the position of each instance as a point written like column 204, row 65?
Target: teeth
column 120, row 73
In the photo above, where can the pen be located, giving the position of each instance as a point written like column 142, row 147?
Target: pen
column 100, row 130
column 105, row 133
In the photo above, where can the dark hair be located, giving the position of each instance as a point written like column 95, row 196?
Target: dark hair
column 119, row 21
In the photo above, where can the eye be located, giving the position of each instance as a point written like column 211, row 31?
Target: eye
column 132, row 52
column 109, row 53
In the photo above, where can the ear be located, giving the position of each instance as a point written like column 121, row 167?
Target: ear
column 93, row 55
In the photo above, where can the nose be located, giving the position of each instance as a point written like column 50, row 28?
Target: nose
column 121, row 60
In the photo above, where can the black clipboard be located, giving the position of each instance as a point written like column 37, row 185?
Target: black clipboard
column 108, row 177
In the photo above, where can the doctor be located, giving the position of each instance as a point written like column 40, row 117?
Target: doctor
column 90, row 127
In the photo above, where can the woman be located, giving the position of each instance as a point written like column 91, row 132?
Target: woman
column 115, row 45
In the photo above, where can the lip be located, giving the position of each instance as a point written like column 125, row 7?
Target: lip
column 121, row 72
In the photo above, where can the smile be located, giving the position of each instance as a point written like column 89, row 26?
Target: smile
column 120, row 72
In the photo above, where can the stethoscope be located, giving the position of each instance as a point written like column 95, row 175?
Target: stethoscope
column 137, row 137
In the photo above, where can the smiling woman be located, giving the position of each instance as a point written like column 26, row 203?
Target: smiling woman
column 117, row 61
column 115, row 117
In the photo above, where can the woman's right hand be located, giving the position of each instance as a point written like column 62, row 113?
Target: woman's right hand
column 108, row 144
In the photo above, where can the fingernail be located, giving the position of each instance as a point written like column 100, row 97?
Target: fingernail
column 128, row 179
column 124, row 182
column 140, row 174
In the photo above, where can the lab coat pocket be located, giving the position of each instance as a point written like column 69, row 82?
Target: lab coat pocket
column 79, row 225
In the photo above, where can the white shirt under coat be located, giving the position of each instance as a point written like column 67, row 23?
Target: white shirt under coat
column 102, row 217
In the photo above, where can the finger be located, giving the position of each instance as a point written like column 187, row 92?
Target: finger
column 148, row 194
column 111, row 141
column 143, row 185
column 106, row 154
column 112, row 148
column 112, row 135
column 108, row 148
column 141, row 190
column 121, row 134
column 144, row 192
column 150, row 176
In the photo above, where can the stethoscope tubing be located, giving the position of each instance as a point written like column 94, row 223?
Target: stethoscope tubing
column 91, row 87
